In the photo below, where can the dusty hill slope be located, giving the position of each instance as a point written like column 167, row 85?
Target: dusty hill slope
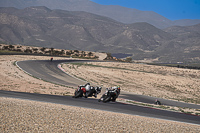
column 40, row 26
column 121, row 14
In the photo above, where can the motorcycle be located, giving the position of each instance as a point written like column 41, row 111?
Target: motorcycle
column 82, row 91
column 79, row 92
column 109, row 95
column 157, row 102
column 94, row 91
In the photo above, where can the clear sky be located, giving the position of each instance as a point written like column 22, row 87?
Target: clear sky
column 171, row 9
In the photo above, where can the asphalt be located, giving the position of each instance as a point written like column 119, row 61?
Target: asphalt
column 48, row 71
column 111, row 106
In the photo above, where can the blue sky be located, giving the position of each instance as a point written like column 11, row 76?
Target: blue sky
column 171, row 9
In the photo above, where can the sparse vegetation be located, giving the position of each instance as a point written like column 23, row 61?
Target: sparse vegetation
column 43, row 49
column 12, row 49
column 128, row 59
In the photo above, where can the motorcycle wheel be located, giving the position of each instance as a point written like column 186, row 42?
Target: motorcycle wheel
column 78, row 94
column 106, row 98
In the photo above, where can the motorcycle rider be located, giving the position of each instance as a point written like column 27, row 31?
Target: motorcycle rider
column 116, row 90
column 97, row 90
column 51, row 58
column 88, row 89
column 94, row 91
column 157, row 102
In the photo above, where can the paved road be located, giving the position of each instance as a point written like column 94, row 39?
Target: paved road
column 114, row 107
column 48, row 71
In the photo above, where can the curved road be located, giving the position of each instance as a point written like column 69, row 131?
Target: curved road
column 49, row 71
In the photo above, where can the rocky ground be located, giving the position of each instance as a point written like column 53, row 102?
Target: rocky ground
column 31, row 116
column 14, row 79
column 158, row 81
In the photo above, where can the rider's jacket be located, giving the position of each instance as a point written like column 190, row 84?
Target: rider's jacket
column 87, row 87
column 115, row 89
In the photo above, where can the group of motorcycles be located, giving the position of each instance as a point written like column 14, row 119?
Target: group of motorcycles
column 110, row 95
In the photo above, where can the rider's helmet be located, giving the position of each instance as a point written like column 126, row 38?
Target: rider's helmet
column 118, row 89
column 98, row 88
column 88, row 84
column 114, row 88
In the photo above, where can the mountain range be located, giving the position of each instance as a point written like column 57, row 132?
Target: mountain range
column 118, row 13
column 78, row 30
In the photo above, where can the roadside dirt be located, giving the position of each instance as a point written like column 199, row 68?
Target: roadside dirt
column 31, row 116
column 14, row 79
column 158, row 81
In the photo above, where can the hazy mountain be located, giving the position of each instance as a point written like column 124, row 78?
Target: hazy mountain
column 189, row 38
column 56, row 28
column 118, row 13
column 40, row 26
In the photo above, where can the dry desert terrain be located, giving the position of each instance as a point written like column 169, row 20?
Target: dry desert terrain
column 19, row 115
column 158, row 81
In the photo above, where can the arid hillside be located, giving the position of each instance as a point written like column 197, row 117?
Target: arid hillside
column 83, row 31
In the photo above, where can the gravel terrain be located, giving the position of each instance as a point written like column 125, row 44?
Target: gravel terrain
column 158, row 81
column 31, row 116
column 17, row 116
